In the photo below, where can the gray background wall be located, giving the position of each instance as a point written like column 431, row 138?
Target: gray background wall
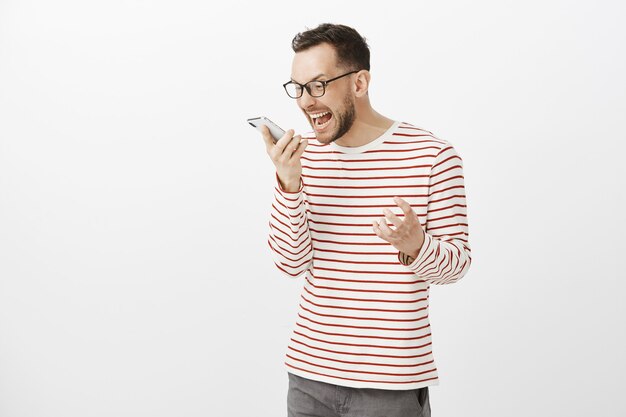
column 135, row 278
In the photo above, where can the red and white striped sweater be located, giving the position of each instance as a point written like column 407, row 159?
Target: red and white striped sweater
column 363, row 315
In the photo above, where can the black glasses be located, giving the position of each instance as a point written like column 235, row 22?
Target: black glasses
column 314, row 88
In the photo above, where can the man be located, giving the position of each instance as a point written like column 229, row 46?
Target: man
column 361, row 345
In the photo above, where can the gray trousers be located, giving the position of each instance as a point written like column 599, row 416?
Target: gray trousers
column 307, row 398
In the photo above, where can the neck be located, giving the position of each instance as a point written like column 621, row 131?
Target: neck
column 368, row 126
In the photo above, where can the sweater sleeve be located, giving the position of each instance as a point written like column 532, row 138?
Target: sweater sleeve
column 445, row 256
column 289, row 238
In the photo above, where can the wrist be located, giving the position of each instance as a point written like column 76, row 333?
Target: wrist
column 289, row 186
column 413, row 254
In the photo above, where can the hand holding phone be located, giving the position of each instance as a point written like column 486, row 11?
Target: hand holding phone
column 285, row 155
column 275, row 130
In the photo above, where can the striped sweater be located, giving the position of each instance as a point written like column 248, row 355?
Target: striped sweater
column 363, row 314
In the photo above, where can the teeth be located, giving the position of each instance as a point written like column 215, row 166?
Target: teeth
column 316, row 115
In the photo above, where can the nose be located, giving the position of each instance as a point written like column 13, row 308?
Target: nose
column 306, row 101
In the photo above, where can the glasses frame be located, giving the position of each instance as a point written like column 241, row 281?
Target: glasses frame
column 308, row 88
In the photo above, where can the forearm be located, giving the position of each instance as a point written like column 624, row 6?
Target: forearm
column 445, row 254
column 289, row 237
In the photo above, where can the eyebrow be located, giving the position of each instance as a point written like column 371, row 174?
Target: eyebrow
column 313, row 79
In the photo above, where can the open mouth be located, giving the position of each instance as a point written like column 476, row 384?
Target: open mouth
column 321, row 120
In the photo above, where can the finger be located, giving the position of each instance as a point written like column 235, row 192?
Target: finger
column 386, row 230
column 291, row 148
column 404, row 206
column 392, row 218
column 301, row 147
column 377, row 230
column 409, row 215
column 282, row 143
column 295, row 143
column 267, row 137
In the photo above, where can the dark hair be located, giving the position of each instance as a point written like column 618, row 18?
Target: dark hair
column 351, row 47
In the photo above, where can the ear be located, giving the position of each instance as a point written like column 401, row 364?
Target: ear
column 361, row 83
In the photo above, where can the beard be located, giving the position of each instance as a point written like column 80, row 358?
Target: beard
column 345, row 120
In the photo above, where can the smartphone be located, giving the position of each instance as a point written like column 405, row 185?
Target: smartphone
column 275, row 130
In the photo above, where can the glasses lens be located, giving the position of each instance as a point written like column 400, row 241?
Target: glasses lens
column 293, row 90
column 316, row 88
